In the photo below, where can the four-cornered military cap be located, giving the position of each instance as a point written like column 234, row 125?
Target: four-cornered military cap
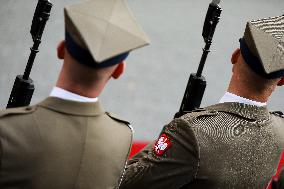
column 263, row 46
column 101, row 33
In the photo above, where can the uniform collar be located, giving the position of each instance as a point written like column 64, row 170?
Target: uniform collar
column 230, row 97
column 244, row 110
column 72, row 107
column 67, row 95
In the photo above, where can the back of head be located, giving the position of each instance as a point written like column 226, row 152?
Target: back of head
column 99, row 34
column 252, row 81
column 80, row 74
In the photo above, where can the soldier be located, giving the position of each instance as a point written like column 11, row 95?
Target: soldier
column 68, row 140
column 234, row 144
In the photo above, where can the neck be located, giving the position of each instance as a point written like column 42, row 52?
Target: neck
column 246, row 92
column 90, row 90
column 79, row 90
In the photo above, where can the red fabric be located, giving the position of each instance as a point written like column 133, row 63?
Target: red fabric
column 280, row 165
column 162, row 145
column 137, row 146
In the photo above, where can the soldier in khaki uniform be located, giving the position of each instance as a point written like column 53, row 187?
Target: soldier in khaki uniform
column 235, row 144
column 68, row 140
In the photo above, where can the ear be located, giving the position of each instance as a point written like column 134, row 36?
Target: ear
column 61, row 50
column 118, row 70
column 235, row 56
column 281, row 82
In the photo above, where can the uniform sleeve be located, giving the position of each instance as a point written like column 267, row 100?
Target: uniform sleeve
column 172, row 166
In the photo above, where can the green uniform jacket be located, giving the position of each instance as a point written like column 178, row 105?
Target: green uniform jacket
column 228, row 146
column 60, row 144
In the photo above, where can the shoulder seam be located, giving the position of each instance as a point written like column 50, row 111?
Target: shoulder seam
column 129, row 150
column 115, row 117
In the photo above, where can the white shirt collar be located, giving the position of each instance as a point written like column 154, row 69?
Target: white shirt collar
column 230, row 97
column 63, row 94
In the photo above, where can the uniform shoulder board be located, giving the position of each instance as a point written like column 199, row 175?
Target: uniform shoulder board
column 17, row 111
column 196, row 110
column 278, row 113
column 117, row 118
column 199, row 110
column 198, row 113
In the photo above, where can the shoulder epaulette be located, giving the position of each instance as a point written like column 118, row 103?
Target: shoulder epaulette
column 278, row 113
column 198, row 113
column 16, row 111
column 117, row 118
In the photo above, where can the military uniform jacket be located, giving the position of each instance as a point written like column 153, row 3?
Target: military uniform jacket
column 60, row 144
column 229, row 145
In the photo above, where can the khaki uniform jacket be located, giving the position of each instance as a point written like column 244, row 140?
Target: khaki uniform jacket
column 230, row 145
column 60, row 144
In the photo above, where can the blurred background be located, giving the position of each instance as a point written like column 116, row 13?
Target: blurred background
column 150, row 91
